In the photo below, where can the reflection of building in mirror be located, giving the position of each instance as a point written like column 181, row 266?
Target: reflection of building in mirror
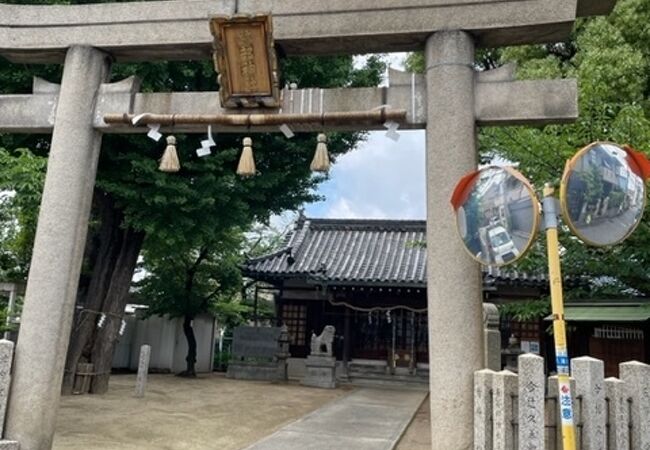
column 497, row 219
column 604, row 197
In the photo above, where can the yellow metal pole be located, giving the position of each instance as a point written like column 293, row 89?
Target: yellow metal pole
column 559, row 326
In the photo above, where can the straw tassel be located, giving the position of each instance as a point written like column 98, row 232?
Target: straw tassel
column 169, row 161
column 246, row 167
column 321, row 161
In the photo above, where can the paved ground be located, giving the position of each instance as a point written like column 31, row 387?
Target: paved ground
column 211, row 412
column 418, row 434
column 611, row 228
column 367, row 419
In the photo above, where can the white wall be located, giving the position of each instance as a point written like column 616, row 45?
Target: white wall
column 122, row 355
column 167, row 341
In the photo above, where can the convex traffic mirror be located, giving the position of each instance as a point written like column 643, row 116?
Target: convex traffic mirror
column 602, row 197
column 603, row 193
column 497, row 214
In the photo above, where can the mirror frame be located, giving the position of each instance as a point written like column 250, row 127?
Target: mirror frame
column 537, row 208
column 568, row 168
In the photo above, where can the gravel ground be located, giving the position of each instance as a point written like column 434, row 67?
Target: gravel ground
column 210, row 412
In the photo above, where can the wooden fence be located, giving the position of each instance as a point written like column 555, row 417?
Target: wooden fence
column 521, row 412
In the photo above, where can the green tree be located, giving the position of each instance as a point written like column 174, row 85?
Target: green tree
column 21, row 181
column 136, row 207
column 206, row 279
column 610, row 57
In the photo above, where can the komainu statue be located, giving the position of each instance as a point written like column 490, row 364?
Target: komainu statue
column 322, row 345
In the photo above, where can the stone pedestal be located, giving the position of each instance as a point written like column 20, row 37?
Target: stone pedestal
column 492, row 337
column 320, row 372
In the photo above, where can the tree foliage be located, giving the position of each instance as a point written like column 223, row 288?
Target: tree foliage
column 136, row 208
column 194, row 282
column 610, row 57
column 525, row 310
column 21, row 182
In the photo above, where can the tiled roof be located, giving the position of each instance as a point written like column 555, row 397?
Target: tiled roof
column 345, row 251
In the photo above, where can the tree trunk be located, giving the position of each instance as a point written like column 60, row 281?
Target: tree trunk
column 114, row 304
column 188, row 330
column 112, row 255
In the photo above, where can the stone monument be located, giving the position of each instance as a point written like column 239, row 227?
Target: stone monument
column 143, row 370
column 321, row 364
column 258, row 353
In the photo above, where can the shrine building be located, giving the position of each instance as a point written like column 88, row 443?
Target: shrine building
column 368, row 279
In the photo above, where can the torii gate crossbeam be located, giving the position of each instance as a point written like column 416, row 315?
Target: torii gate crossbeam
column 499, row 100
column 176, row 29
column 452, row 100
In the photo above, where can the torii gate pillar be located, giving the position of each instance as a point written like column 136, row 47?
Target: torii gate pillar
column 58, row 252
column 453, row 279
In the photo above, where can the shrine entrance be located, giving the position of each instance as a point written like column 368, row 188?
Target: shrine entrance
column 449, row 101
column 400, row 338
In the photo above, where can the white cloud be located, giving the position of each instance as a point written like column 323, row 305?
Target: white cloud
column 350, row 209
column 379, row 179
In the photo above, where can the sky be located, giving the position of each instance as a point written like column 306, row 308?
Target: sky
column 380, row 179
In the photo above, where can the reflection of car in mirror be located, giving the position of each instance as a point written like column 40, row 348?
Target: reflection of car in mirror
column 502, row 245
column 497, row 215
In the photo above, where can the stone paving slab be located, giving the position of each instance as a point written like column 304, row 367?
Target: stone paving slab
column 367, row 419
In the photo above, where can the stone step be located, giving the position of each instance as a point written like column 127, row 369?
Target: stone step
column 413, row 384
column 385, row 376
column 373, row 373
column 364, row 369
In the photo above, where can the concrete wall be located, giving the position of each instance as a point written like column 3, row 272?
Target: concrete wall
column 122, row 355
column 521, row 216
column 296, row 368
column 168, row 344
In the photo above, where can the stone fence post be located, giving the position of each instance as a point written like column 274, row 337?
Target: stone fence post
column 505, row 389
column 636, row 377
column 531, row 402
column 483, row 412
column 609, row 414
column 589, row 374
column 619, row 414
column 6, row 359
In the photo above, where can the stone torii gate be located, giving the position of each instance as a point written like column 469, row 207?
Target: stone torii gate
column 449, row 102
